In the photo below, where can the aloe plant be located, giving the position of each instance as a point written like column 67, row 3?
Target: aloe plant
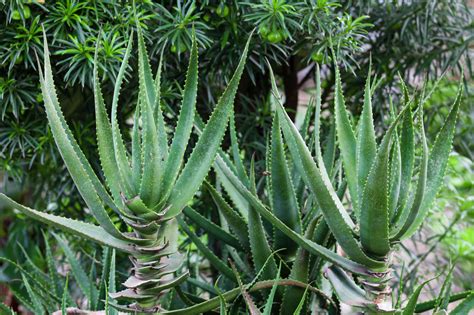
column 147, row 186
column 389, row 195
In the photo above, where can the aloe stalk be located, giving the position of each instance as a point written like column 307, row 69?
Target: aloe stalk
column 147, row 187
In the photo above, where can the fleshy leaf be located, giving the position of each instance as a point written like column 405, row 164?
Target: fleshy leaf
column 284, row 203
column 185, row 124
column 347, row 140
column 212, row 228
column 151, row 156
column 206, row 148
column 366, row 144
column 85, row 230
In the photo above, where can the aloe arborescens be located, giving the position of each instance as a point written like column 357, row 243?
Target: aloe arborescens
column 387, row 205
column 147, row 187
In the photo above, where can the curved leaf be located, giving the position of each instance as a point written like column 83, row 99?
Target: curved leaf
column 235, row 221
column 125, row 172
column 420, row 191
column 85, row 230
column 366, row 144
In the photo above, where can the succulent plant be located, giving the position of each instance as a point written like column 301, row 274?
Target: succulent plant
column 147, row 186
column 389, row 194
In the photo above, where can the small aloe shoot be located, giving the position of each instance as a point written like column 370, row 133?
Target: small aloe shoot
column 147, row 186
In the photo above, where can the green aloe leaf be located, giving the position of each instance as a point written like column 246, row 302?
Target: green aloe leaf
column 300, row 306
column 407, row 156
column 52, row 269
column 374, row 214
column 299, row 272
column 271, row 297
column 65, row 296
column 137, row 149
column 409, row 309
column 431, row 304
column 366, row 144
column 185, row 124
column 206, row 148
column 437, row 161
column 40, row 288
column 253, row 309
column 241, row 204
column 395, row 176
column 445, row 292
column 80, row 170
column 34, row 298
column 121, row 155
column 54, row 102
column 151, row 156
column 421, row 185
column 105, row 138
column 159, row 120
column 6, row 309
column 465, row 306
column 85, row 230
column 102, row 289
column 239, row 165
column 284, row 203
column 347, row 141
